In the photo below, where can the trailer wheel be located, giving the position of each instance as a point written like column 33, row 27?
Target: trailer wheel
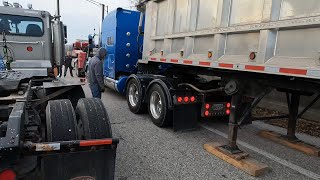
column 134, row 97
column 158, row 107
column 61, row 121
column 92, row 119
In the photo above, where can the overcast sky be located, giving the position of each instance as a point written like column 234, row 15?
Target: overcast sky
column 80, row 16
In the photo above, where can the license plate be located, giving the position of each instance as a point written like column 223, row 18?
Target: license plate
column 217, row 107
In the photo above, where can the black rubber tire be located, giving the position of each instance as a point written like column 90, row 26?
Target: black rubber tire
column 61, row 121
column 140, row 106
column 92, row 119
column 165, row 118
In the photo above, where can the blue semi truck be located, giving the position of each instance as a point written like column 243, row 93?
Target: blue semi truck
column 121, row 38
column 179, row 103
column 207, row 63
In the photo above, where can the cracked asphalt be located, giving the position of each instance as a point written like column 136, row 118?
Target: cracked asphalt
column 148, row 152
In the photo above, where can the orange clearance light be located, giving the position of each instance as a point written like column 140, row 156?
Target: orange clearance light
column 192, row 99
column 228, row 112
column 186, row 99
column 228, row 105
column 252, row 55
column 206, row 113
column 207, row 106
column 29, row 48
column 209, row 54
column 179, row 99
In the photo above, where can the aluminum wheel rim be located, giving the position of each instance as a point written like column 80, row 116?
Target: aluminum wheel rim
column 133, row 95
column 155, row 105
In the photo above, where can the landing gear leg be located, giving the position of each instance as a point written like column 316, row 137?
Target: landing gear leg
column 232, row 147
column 293, row 115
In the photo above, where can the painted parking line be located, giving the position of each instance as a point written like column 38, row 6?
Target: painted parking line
column 283, row 162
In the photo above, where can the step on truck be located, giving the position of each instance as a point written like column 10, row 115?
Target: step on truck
column 48, row 129
column 212, row 58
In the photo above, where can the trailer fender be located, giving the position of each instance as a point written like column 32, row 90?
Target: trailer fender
column 166, row 86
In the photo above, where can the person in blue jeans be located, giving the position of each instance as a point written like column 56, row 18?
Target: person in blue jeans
column 96, row 73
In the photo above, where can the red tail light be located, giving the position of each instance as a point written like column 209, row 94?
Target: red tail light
column 228, row 112
column 207, row 106
column 192, row 99
column 206, row 113
column 228, row 105
column 186, row 99
column 7, row 175
column 179, row 99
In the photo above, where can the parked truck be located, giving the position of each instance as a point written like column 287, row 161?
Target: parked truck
column 48, row 129
column 212, row 58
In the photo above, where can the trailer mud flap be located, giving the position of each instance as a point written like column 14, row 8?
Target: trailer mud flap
column 185, row 117
column 97, row 165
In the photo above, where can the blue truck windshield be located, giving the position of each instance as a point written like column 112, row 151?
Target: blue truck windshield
column 21, row 25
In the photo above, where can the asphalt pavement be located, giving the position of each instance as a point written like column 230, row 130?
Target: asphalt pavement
column 148, row 152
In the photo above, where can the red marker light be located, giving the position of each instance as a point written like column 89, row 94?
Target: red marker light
column 29, row 48
column 228, row 105
column 252, row 55
column 186, row 99
column 207, row 106
column 228, row 112
column 192, row 99
column 179, row 99
column 206, row 113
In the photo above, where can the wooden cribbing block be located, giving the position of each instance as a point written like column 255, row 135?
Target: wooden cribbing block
column 246, row 164
column 297, row 145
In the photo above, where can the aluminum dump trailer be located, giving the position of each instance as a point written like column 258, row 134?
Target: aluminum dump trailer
column 262, row 36
column 209, row 58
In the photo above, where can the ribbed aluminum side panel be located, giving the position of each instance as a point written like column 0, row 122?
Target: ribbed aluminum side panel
column 282, row 33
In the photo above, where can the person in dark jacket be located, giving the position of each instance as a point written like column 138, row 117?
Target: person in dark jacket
column 67, row 64
column 96, row 73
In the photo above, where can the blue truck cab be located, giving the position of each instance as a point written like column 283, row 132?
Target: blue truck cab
column 124, row 44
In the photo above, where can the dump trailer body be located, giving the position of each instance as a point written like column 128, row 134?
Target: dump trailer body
column 263, row 36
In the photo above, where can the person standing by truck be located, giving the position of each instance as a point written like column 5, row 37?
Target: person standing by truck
column 96, row 73
column 67, row 64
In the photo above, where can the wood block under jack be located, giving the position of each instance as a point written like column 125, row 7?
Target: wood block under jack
column 241, row 161
column 297, row 145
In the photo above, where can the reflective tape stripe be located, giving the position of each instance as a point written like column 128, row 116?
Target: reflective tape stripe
column 272, row 69
column 187, row 62
column 267, row 69
column 254, row 68
column 48, row 147
column 314, row 73
column 293, row 71
column 203, row 63
column 96, row 142
column 225, row 65
column 174, row 60
column 240, row 66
